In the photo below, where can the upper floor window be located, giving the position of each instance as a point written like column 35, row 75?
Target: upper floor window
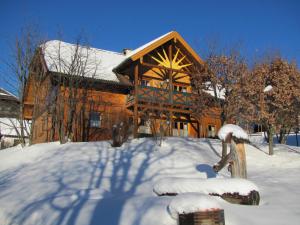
column 145, row 83
column 95, row 119
column 180, row 88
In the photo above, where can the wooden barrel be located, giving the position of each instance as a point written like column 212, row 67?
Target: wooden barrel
column 213, row 217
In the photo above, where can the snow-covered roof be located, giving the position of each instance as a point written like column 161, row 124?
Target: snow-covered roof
column 131, row 53
column 175, row 185
column 7, row 126
column 6, row 93
column 268, row 88
column 233, row 129
column 191, row 203
column 220, row 92
column 99, row 63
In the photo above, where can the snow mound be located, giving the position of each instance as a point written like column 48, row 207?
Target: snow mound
column 192, row 202
column 205, row 186
column 233, row 129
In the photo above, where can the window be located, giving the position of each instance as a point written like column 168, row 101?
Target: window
column 180, row 129
column 95, row 119
column 175, row 125
column 179, row 88
column 143, row 122
column 145, row 83
column 211, row 131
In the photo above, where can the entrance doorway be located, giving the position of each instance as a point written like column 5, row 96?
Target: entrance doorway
column 180, row 129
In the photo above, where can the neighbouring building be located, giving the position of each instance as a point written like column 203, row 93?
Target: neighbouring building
column 9, row 112
column 150, row 83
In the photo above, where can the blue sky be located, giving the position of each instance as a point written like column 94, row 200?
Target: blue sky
column 258, row 25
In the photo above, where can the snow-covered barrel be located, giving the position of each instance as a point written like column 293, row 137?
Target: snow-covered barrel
column 196, row 209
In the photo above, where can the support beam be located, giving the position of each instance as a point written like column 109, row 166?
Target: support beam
column 135, row 111
column 198, row 128
column 171, row 89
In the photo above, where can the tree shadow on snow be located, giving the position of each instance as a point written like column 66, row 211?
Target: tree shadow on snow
column 209, row 142
column 121, row 171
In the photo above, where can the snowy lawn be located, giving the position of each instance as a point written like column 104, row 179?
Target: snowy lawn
column 93, row 183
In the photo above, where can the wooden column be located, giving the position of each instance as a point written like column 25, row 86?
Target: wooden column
column 171, row 89
column 135, row 111
column 198, row 129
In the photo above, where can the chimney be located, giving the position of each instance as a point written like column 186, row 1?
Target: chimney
column 126, row 51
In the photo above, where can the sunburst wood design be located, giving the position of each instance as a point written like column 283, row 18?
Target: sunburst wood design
column 176, row 63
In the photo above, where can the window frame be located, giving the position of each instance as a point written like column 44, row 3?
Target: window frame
column 95, row 120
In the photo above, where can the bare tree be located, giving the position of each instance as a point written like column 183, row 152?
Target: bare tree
column 159, row 119
column 21, row 67
column 222, row 76
column 75, row 69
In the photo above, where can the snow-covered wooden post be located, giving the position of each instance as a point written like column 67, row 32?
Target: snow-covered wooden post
column 236, row 137
column 196, row 209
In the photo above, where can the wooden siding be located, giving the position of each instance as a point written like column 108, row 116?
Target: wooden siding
column 111, row 106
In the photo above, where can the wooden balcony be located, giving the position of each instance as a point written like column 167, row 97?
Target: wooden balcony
column 159, row 96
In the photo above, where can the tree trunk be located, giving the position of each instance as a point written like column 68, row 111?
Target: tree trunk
column 235, row 164
column 270, row 138
column 21, row 138
column 224, row 149
column 238, row 166
column 236, row 159
column 224, row 145
column 240, row 148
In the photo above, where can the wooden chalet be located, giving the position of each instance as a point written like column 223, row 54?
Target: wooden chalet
column 150, row 82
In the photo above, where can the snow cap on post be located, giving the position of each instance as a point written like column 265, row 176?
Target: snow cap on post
column 233, row 130
column 191, row 203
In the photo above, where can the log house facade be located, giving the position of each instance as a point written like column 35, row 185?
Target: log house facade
column 152, row 81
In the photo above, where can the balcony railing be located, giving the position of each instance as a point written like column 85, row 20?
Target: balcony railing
column 162, row 96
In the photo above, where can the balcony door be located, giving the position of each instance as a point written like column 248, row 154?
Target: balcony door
column 180, row 129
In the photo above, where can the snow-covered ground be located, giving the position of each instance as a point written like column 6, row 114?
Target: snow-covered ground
column 93, row 183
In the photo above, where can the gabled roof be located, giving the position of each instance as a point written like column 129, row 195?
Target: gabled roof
column 102, row 64
column 148, row 47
